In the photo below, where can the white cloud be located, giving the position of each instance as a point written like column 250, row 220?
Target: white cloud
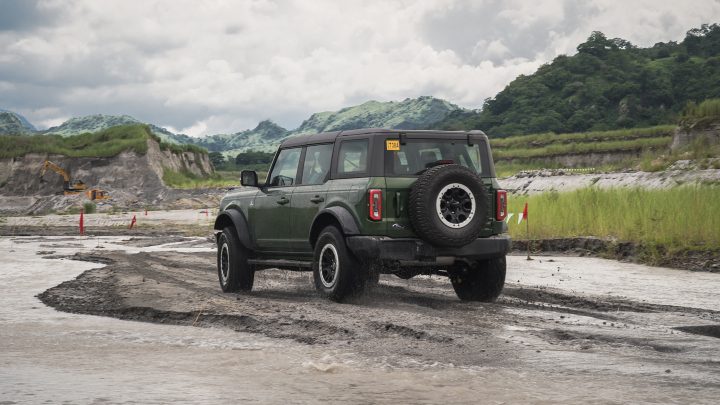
column 222, row 66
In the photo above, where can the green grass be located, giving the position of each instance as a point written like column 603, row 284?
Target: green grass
column 106, row 143
column 89, row 207
column 708, row 109
column 682, row 217
column 560, row 149
column 188, row 180
column 536, row 140
column 220, row 179
column 540, row 151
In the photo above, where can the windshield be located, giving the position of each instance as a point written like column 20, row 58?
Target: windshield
column 416, row 156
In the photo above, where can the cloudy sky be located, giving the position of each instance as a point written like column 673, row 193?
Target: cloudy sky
column 217, row 66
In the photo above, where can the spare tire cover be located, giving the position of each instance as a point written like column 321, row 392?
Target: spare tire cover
column 448, row 205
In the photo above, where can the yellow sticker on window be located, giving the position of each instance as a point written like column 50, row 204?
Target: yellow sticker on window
column 392, row 144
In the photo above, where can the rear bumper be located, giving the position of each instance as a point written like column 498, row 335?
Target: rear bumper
column 413, row 252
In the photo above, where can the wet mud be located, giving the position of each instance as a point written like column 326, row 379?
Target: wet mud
column 401, row 322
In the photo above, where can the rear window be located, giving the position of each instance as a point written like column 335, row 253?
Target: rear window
column 416, row 156
column 352, row 157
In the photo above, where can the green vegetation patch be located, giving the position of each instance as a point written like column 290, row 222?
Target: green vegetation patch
column 536, row 140
column 700, row 116
column 584, row 148
column 608, row 84
column 187, row 180
column 678, row 218
column 106, row 143
column 89, row 207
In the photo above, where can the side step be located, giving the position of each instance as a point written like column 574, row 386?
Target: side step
column 296, row 265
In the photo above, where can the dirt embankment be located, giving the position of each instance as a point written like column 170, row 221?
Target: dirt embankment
column 681, row 173
column 131, row 179
column 694, row 260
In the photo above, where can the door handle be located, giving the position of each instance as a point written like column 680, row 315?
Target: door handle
column 283, row 201
column 317, row 199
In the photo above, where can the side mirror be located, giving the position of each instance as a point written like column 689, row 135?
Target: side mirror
column 248, row 178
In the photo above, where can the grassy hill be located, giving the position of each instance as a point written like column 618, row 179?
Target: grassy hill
column 105, row 143
column 608, row 84
column 647, row 149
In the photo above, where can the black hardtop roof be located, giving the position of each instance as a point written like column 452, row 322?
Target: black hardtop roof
column 326, row 137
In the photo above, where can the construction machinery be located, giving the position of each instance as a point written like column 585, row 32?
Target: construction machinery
column 71, row 186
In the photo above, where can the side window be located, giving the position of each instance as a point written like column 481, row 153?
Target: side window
column 285, row 169
column 352, row 157
column 317, row 163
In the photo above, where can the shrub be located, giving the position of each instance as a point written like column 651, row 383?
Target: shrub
column 89, row 207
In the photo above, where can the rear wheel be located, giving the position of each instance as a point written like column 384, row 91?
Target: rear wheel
column 481, row 280
column 234, row 272
column 336, row 272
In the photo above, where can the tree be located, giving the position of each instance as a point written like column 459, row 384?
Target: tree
column 252, row 157
column 217, row 159
column 597, row 45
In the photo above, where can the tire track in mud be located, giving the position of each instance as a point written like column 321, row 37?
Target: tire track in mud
column 420, row 319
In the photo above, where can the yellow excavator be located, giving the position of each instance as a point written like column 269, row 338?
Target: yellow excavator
column 73, row 187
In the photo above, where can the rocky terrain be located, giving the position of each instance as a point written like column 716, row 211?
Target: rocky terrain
column 132, row 179
column 560, row 180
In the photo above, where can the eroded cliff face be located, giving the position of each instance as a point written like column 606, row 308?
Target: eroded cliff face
column 161, row 160
column 707, row 134
column 128, row 172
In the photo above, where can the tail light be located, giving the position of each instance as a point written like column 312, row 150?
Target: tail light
column 501, row 205
column 375, row 204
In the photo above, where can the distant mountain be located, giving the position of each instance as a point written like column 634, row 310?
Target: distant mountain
column 417, row 113
column 12, row 123
column 90, row 123
column 263, row 137
column 99, row 122
column 411, row 113
column 608, row 84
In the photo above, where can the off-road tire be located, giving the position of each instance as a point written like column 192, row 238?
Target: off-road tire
column 482, row 280
column 423, row 200
column 348, row 279
column 238, row 275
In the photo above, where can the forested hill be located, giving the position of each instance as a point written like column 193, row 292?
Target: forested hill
column 608, row 84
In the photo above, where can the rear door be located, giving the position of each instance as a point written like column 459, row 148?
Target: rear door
column 310, row 194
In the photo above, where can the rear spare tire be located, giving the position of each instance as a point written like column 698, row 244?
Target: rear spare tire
column 448, row 205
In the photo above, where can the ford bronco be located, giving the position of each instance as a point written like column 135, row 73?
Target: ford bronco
column 350, row 205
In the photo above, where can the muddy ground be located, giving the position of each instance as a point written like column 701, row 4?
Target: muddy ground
column 400, row 321
column 566, row 330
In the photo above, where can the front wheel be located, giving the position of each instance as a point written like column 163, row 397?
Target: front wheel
column 336, row 272
column 234, row 271
column 481, row 280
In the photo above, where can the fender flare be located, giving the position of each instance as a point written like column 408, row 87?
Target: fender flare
column 237, row 218
column 342, row 215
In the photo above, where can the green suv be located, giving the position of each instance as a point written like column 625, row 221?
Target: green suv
column 350, row 205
